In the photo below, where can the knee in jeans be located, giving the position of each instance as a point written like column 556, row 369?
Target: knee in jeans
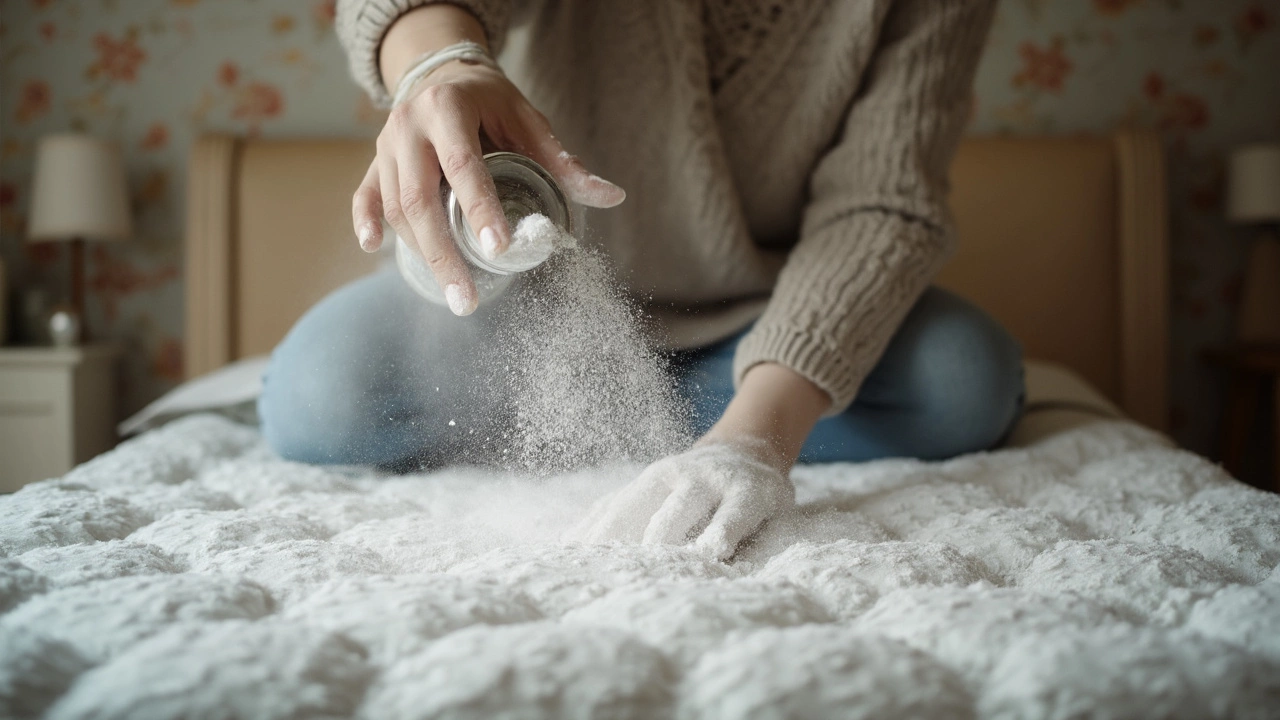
column 975, row 384
column 344, row 386
column 315, row 407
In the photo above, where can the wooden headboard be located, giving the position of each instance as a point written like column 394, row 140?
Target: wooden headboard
column 1064, row 240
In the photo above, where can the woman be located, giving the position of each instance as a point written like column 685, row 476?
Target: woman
column 786, row 163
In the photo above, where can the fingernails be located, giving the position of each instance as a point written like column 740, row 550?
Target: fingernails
column 610, row 189
column 595, row 191
column 366, row 237
column 589, row 189
column 460, row 301
column 489, row 242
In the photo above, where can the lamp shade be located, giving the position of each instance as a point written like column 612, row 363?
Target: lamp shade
column 1253, row 186
column 79, row 190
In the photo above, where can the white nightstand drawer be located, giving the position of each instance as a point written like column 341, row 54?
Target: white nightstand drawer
column 25, row 445
column 57, row 409
column 20, row 386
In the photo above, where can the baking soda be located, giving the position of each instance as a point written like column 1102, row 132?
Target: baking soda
column 583, row 385
column 534, row 240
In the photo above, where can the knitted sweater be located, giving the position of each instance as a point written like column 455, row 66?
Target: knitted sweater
column 784, row 160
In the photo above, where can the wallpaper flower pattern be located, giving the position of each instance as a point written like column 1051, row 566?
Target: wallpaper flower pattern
column 153, row 74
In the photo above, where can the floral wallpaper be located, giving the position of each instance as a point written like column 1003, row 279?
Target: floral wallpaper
column 1206, row 74
column 153, row 74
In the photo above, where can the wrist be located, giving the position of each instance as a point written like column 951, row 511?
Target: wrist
column 422, row 30
column 437, row 63
column 774, row 407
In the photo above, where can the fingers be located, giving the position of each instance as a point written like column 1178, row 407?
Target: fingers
column 732, row 492
column 437, row 136
column 389, row 188
column 419, row 211
column 629, row 512
column 457, row 143
column 739, row 516
column 685, row 508
column 366, row 210
column 580, row 185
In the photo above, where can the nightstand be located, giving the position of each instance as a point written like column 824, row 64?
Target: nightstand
column 1249, row 368
column 57, row 409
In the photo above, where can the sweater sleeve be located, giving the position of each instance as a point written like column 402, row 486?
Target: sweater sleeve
column 876, row 228
column 361, row 25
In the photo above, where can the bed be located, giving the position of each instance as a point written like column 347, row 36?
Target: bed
column 1087, row 569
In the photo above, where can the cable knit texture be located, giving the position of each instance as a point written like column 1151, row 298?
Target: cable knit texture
column 783, row 160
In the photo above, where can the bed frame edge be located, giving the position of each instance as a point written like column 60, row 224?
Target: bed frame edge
column 210, row 248
column 1144, row 277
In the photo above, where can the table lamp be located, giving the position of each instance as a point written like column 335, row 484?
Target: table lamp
column 1253, row 198
column 79, row 193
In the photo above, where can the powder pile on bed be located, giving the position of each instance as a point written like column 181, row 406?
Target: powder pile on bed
column 583, row 385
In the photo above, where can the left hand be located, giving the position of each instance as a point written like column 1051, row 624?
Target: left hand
column 727, row 488
column 735, row 479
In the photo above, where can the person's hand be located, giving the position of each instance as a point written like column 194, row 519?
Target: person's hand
column 733, row 481
column 434, row 135
column 726, row 491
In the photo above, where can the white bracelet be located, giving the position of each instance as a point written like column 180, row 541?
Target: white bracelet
column 426, row 63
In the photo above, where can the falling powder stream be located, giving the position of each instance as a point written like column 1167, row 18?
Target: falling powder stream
column 582, row 384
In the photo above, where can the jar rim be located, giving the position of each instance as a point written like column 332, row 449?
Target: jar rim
column 513, row 167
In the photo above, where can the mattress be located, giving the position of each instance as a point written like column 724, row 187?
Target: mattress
column 189, row 573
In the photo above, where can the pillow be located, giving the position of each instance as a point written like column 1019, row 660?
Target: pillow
column 1058, row 399
column 232, row 391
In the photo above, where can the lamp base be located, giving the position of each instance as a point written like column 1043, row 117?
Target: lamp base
column 64, row 327
column 1259, row 320
column 75, row 333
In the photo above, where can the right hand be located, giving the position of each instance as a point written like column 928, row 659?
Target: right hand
column 434, row 135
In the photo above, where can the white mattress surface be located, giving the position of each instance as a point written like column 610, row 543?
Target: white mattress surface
column 189, row 573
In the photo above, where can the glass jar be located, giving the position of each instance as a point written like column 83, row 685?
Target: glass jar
column 524, row 188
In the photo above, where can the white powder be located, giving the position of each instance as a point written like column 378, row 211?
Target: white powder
column 582, row 385
column 534, row 239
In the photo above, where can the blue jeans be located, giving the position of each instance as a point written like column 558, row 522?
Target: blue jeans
column 375, row 375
